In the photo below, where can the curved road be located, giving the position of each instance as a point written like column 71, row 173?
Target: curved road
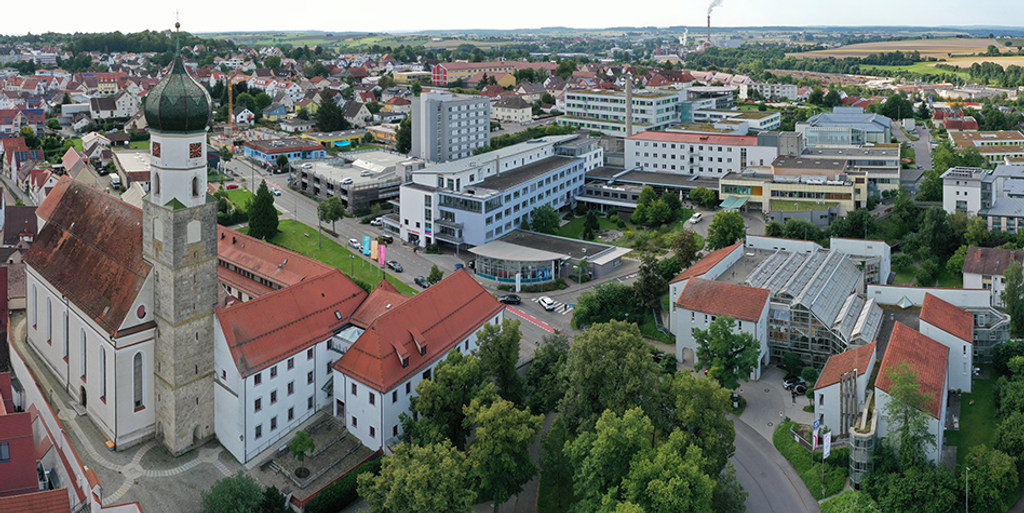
column 772, row 484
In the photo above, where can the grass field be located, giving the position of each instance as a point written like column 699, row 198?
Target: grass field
column 303, row 239
column 573, row 229
column 938, row 48
column 977, row 421
column 239, row 197
column 323, row 39
column 135, row 145
column 77, row 143
column 796, row 206
column 920, row 68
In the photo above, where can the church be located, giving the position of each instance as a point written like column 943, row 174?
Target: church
column 155, row 319
column 120, row 301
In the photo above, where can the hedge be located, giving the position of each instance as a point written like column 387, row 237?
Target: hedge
column 808, row 465
column 341, row 494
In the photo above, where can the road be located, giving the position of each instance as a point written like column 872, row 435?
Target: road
column 922, row 153
column 771, row 483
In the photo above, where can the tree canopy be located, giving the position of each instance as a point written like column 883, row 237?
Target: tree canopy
column 544, row 219
column 263, row 217
column 499, row 353
column 729, row 354
column 420, row 479
column 726, row 228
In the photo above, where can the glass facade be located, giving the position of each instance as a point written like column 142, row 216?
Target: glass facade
column 504, row 271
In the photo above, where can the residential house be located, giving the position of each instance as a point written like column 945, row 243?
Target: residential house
column 929, row 359
column 842, row 389
column 286, row 100
column 17, row 156
column 530, row 91
column 984, row 268
column 356, row 113
column 306, row 103
column 296, row 125
column 92, row 138
column 385, row 133
column 513, row 109
column 17, row 445
column 77, row 166
column 274, row 112
column 126, row 104
column 952, row 327
column 11, row 121
column 702, row 301
column 243, row 116
column 41, row 182
column 397, row 104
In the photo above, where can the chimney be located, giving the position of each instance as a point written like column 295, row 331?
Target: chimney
column 629, row 107
column 709, row 30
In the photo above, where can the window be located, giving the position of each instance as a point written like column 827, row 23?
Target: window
column 408, row 388
column 137, row 375
column 291, row 387
column 373, row 432
column 373, row 398
column 273, row 423
column 257, row 379
column 85, row 352
column 394, row 430
column 291, row 363
column 195, row 186
column 309, row 403
column 309, row 377
column 355, row 422
column 309, row 354
column 394, row 396
column 49, row 324
column 103, row 371
column 291, row 413
column 258, row 404
column 259, row 431
column 273, row 397
column 273, row 372
column 426, row 375
column 354, row 389
column 821, row 399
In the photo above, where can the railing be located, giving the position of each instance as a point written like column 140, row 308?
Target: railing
column 450, row 224
column 448, row 238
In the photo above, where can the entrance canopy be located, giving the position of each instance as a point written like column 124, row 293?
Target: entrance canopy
column 734, row 202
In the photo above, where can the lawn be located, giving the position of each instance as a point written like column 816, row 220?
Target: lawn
column 239, row 197
column 302, row 239
column 574, row 229
column 908, row 153
column 649, row 329
column 949, row 280
column 134, row 145
column 794, row 206
column 977, row 421
column 810, row 471
column 905, row 274
column 77, row 143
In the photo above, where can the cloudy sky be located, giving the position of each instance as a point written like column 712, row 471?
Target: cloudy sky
column 21, row 16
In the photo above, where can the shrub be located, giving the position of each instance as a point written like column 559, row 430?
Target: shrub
column 340, row 495
column 433, row 249
column 366, row 220
column 836, row 470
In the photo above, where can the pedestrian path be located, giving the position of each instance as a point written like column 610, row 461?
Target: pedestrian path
column 560, row 307
column 531, row 319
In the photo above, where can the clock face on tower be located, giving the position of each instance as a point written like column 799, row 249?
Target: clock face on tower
column 156, row 150
column 195, row 150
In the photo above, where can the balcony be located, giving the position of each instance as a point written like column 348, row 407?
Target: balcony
column 450, row 224
column 452, row 239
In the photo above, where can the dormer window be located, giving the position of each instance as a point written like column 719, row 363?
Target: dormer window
column 405, row 362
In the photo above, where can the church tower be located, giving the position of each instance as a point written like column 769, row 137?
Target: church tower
column 179, row 240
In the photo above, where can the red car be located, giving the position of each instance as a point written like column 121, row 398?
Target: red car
column 232, row 186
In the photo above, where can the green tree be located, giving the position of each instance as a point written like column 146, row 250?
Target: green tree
column 262, row 214
column 647, row 196
column 374, row 107
column 921, row 489
column 499, row 457
column 609, row 368
column 774, row 229
column 419, row 479
column 700, row 409
column 331, row 211
column 238, row 493
column 302, row 113
column 850, row 501
column 1010, row 435
column 728, row 355
column 955, row 264
column 607, row 301
column 437, row 409
column 658, row 212
column 499, row 353
column 602, row 457
column 650, row 284
column 263, row 100
column 977, row 232
column 937, row 233
column 545, row 382
column 1013, row 296
column 273, row 501
column 993, row 478
column 544, row 219
column 832, row 99
column 817, row 97
column 670, row 478
column 673, row 202
column 908, row 422
column 282, row 161
column 685, row 247
column 416, row 88
column 329, row 117
column 726, row 228
column 300, row 444
column 403, row 137
column 704, row 197
column 436, row 274
column 800, row 229
column 272, row 62
column 248, row 101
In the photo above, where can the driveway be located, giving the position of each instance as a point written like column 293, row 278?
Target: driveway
column 771, row 483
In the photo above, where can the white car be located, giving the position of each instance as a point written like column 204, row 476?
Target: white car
column 355, row 244
column 696, row 217
column 377, row 222
column 547, row 303
column 345, row 181
column 276, row 191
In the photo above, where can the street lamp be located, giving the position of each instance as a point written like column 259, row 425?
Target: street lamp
column 579, row 280
column 352, row 268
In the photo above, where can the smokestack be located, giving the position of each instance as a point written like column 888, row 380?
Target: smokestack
column 629, row 106
column 709, row 29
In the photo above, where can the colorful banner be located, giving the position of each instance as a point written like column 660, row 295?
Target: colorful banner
column 373, row 248
column 828, row 444
column 366, row 245
column 382, row 249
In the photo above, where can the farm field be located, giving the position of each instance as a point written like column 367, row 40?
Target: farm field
column 920, row 68
column 965, row 62
column 453, row 43
column 938, row 48
column 347, row 40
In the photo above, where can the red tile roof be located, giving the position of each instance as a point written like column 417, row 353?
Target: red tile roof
column 949, row 318
column 928, row 357
column 991, row 261
column 705, row 264
column 440, row 317
column 263, row 331
column 858, row 359
column 51, row 501
column 719, row 298
column 265, row 260
column 676, row 137
column 380, row 301
column 87, row 229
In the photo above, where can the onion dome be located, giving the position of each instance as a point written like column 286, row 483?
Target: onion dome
column 178, row 103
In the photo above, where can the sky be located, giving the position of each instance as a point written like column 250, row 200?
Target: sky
column 22, row 16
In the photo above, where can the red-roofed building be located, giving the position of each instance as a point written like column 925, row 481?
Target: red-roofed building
column 250, row 268
column 50, row 501
column 929, row 359
column 984, row 268
column 376, row 377
column 702, row 301
column 952, row 327
column 841, row 389
column 17, row 454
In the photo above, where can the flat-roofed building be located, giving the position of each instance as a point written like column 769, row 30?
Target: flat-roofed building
column 605, row 110
column 696, row 154
column 994, row 146
column 293, row 149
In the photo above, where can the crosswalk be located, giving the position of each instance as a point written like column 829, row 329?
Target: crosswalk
column 560, row 307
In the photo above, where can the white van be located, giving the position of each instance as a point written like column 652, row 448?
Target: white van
column 115, row 181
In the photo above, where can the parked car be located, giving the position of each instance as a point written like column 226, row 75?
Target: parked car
column 232, row 186
column 696, row 217
column 394, row 265
column 422, row 282
column 355, row 243
column 345, row 181
column 547, row 303
column 377, row 222
column 796, row 384
column 510, row 299
column 471, row 264
column 386, row 239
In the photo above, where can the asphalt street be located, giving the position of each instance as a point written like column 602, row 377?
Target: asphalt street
column 771, row 483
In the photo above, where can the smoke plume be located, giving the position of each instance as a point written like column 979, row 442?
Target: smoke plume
column 714, row 3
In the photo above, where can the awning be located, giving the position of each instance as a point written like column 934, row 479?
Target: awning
column 329, row 386
column 734, row 202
